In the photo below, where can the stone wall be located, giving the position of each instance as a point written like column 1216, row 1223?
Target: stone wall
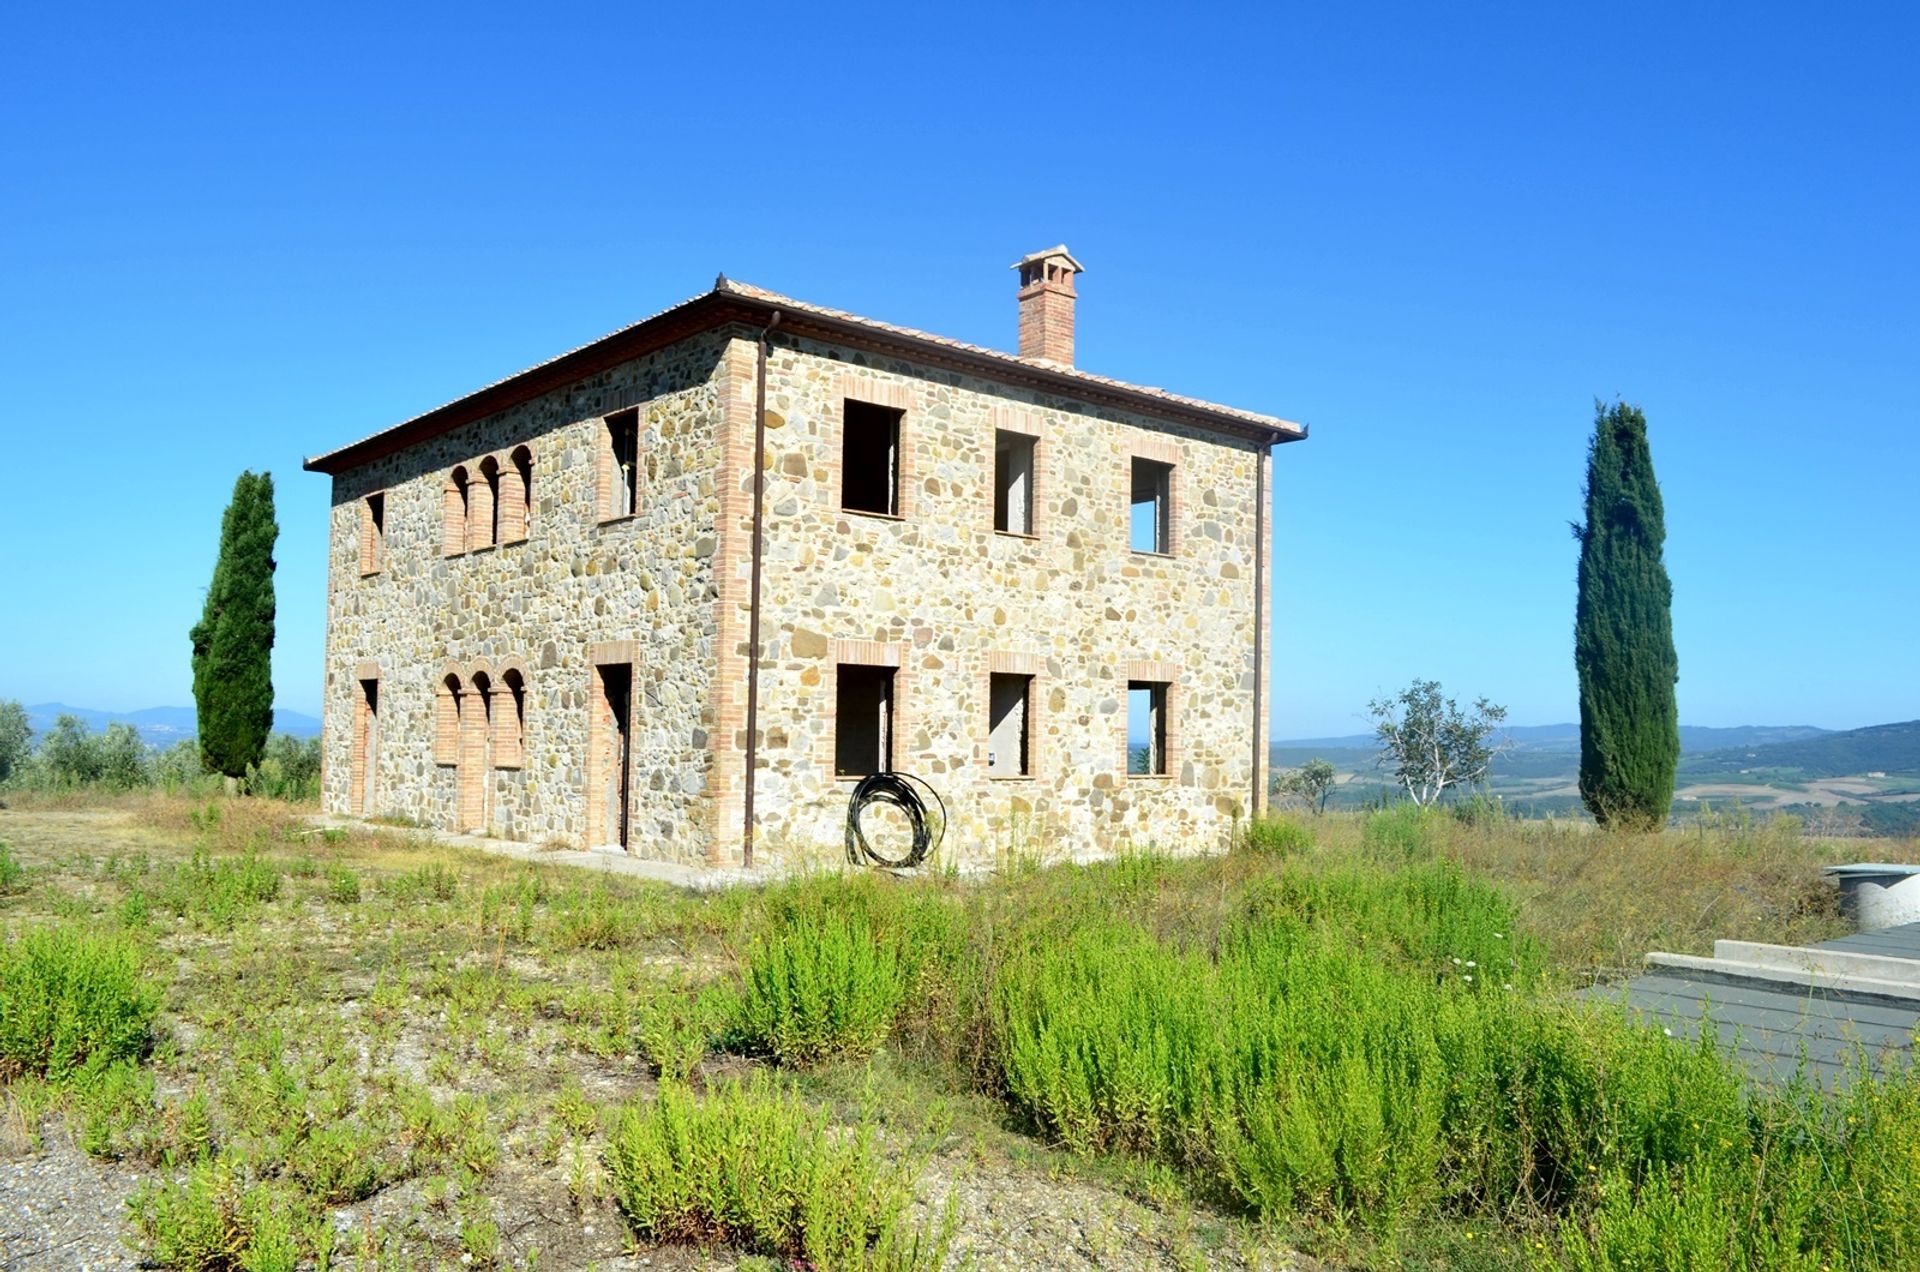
column 573, row 583
column 937, row 592
column 934, row 592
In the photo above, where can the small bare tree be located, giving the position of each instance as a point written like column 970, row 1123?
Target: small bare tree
column 1311, row 783
column 1430, row 744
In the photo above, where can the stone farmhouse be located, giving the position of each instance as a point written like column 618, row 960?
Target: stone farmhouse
column 562, row 609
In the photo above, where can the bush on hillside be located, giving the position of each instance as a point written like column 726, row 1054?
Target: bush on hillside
column 818, row 985
column 753, row 1168
column 69, row 999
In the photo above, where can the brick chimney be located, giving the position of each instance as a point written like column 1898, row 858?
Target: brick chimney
column 1046, row 305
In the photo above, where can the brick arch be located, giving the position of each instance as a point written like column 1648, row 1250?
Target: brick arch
column 483, row 503
column 510, row 714
column 449, row 694
column 453, row 512
column 514, row 510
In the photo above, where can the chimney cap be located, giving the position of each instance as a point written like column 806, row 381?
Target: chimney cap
column 1059, row 250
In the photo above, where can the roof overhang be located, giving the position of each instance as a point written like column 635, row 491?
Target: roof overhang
column 735, row 303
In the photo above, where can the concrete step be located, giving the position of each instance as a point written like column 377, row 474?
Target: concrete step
column 1798, row 975
column 1884, row 967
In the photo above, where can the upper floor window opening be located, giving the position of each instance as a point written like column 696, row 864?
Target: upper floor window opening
column 1013, row 473
column 516, row 496
column 618, row 480
column 453, row 513
column 373, row 533
column 1150, row 527
column 870, row 458
column 483, row 530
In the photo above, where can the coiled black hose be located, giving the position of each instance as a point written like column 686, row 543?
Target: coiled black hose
column 897, row 789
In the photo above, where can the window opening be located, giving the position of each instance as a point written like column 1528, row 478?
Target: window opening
column 623, row 459
column 374, row 528
column 453, row 514
column 1146, row 728
column 863, row 720
column 1013, row 482
column 870, row 459
column 366, row 746
column 1009, row 724
column 1151, row 528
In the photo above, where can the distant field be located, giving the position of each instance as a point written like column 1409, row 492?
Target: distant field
column 1862, row 782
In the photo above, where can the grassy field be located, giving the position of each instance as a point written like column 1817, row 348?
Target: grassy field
column 1347, row 1043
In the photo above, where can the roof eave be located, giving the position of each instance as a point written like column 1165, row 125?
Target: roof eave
column 724, row 305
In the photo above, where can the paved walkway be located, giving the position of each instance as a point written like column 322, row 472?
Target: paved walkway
column 1777, row 1008
column 698, row 878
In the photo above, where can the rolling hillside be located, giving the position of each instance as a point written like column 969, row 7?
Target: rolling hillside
column 1880, row 748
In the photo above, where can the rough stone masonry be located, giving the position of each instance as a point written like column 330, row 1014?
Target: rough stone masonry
column 975, row 567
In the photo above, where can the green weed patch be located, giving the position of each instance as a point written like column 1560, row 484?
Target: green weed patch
column 754, row 1168
column 71, row 998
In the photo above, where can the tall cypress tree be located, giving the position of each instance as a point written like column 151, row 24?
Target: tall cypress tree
column 233, row 641
column 1623, row 631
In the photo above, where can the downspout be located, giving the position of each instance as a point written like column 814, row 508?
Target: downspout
column 1259, row 612
column 753, row 601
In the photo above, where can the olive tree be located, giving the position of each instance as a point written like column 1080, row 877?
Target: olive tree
column 1430, row 745
column 1311, row 783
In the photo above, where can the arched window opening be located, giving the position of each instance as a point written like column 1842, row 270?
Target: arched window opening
column 475, row 735
column 373, row 533
column 453, row 513
column 516, row 496
column 483, row 526
column 448, row 699
column 510, row 721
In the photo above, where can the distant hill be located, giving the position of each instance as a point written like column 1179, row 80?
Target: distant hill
column 1880, row 748
column 1566, row 737
column 158, row 726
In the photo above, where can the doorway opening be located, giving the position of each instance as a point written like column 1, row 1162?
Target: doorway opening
column 610, row 758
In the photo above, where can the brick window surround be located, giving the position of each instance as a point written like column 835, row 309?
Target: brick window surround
column 616, row 466
column 1139, row 673
column 1011, row 427
column 454, row 512
column 1011, row 663
column 373, row 533
column 873, row 391
column 1163, row 451
column 866, row 653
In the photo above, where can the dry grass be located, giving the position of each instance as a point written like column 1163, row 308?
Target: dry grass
column 1600, row 901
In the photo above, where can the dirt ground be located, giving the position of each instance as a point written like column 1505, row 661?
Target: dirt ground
column 499, row 990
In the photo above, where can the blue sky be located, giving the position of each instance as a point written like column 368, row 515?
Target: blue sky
column 1435, row 233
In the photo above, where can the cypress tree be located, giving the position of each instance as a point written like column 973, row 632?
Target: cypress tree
column 233, row 641
column 1623, row 631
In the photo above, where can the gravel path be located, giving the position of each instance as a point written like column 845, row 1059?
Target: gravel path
column 59, row 1209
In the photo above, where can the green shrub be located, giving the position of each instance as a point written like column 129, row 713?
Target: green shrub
column 1276, row 836
column 754, row 1168
column 818, row 985
column 13, row 875
column 677, row 1025
column 435, row 881
column 1401, row 832
column 343, row 885
column 219, row 892
column 216, row 1220
column 70, row 998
